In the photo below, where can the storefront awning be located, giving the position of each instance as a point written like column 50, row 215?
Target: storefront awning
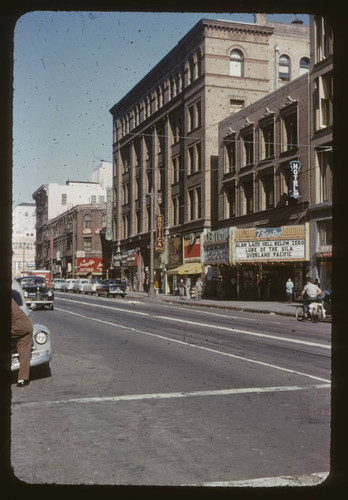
column 189, row 268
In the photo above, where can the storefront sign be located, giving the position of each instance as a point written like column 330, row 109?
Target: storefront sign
column 175, row 250
column 192, row 247
column 295, row 167
column 159, row 247
column 92, row 265
column 132, row 259
column 216, row 247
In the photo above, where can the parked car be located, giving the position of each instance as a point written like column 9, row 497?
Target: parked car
column 36, row 293
column 78, row 286
column 119, row 287
column 68, row 285
column 91, row 286
column 112, row 287
column 56, row 283
column 41, row 352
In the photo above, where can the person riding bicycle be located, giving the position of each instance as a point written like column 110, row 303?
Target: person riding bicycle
column 310, row 293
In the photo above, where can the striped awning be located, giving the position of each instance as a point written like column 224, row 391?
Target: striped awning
column 188, row 268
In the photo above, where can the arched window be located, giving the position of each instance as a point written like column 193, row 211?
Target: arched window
column 284, row 68
column 236, row 63
column 304, row 65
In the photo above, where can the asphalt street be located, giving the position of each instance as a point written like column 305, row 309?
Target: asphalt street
column 154, row 393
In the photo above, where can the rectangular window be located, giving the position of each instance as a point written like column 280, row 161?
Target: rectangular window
column 87, row 244
column 194, row 116
column 326, row 101
column 64, row 198
column 325, row 168
column 230, row 155
column 176, row 210
column 248, row 149
column 231, row 201
column 191, row 206
column 248, row 188
column 324, row 232
column 101, row 199
column 93, row 199
column 267, row 141
column 268, row 188
column 235, row 106
column 199, row 202
column 289, row 131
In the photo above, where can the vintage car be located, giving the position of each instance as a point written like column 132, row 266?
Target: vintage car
column 36, row 293
column 41, row 353
column 56, row 283
column 119, row 287
column 78, row 286
column 91, row 286
column 68, row 285
column 112, row 287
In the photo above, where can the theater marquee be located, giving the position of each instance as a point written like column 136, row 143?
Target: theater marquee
column 286, row 243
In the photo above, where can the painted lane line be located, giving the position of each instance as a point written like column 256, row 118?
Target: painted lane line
column 173, row 395
column 208, row 349
column 245, row 332
column 214, row 327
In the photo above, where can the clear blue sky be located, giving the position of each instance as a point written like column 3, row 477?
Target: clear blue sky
column 70, row 68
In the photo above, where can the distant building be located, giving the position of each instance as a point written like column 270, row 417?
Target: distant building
column 103, row 174
column 74, row 243
column 23, row 238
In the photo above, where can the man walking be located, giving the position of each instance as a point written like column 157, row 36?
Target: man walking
column 188, row 287
column 22, row 334
column 199, row 289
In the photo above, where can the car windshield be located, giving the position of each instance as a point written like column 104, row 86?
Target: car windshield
column 33, row 281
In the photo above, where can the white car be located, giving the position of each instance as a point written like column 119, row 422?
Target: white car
column 78, row 286
column 68, row 285
column 56, row 283
column 41, row 353
column 90, row 287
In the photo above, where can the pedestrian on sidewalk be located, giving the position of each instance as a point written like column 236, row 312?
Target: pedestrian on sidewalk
column 181, row 288
column 199, row 286
column 188, row 287
column 22, row 334
column 289, row 290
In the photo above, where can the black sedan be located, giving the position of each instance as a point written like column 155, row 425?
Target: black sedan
column 112, row 288
column 36, row 293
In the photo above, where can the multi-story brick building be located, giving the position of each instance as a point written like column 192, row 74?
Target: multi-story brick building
column 166, row 132
column 321, row 136
column 259, row 147
column 74, row 243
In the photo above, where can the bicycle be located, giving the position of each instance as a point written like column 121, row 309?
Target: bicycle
column 315, row 312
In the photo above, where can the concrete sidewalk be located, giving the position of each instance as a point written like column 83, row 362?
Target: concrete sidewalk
column 259, row 306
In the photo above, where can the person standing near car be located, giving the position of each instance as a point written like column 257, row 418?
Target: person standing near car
column 22, row 333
